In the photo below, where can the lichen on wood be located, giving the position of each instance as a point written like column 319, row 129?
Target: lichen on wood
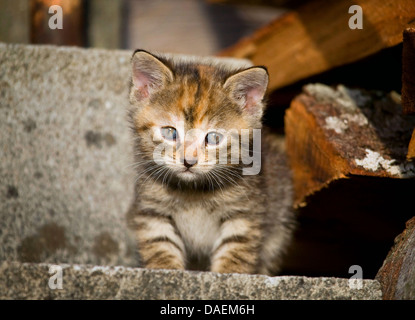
column 333, row 133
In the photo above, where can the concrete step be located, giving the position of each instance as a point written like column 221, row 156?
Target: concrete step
column 65, row 155
column 32, row 281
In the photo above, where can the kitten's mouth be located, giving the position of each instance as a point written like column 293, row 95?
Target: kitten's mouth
column 187, row 173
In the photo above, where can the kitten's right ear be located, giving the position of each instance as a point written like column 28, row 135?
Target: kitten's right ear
column 149, row 74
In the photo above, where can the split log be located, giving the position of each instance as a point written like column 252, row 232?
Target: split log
column 397, row 275
column 333, row 134
column 316, row 38
column 353, row 184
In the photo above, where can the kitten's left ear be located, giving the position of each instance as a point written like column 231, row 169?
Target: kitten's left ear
column 149, row 73
column 248, row 87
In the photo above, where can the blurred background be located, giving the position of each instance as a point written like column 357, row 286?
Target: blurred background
column 200, row 27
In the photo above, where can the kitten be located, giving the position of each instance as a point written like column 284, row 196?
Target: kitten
column 192, row 211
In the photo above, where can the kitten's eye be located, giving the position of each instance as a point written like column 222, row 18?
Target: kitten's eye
column 213, row 138
column 169, row 133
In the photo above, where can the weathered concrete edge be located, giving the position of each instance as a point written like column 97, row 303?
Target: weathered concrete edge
column 31, row 281
column 242, row 62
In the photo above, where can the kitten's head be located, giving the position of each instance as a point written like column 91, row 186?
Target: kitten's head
column 187, row 117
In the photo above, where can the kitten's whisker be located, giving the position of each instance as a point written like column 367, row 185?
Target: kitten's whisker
column 157, row 172
column 142, row 173
column 210, row 181
column 169, row 172
column 226, row 177
column 217, row 179
column 136, row 164
column 223, row 176
column 160, row 174
column 145, row 172
column 231, row 170
column 154, row 173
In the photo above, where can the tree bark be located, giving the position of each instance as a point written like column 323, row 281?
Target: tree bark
column 397, row 275
column 316, row 38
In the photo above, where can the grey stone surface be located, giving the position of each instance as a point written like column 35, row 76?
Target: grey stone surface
column 65, row 154
column 31, row 281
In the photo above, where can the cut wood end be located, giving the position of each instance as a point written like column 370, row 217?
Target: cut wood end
column 335, row 133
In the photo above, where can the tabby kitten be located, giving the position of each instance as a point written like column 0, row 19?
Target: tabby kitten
column 192, row 211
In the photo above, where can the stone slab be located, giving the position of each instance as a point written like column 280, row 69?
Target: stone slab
column 65, row 154
column 31, row 281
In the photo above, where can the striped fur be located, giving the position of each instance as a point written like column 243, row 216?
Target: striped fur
column 210, row 217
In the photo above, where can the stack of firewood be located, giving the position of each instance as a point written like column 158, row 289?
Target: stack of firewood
column 350, row 141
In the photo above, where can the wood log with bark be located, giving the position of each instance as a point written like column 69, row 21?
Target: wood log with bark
column 397, row 275
column 333, row 134
column 316, row 38
column 353, row 182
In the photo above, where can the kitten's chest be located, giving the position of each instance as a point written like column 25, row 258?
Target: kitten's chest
column 198, row 228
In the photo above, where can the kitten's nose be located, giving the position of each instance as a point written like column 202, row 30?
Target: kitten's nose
column 190, row 154
column 189, row 162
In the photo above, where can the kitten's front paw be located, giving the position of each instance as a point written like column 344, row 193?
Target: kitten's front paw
column 173, row 265
column 228, row 266
column 162, row 260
